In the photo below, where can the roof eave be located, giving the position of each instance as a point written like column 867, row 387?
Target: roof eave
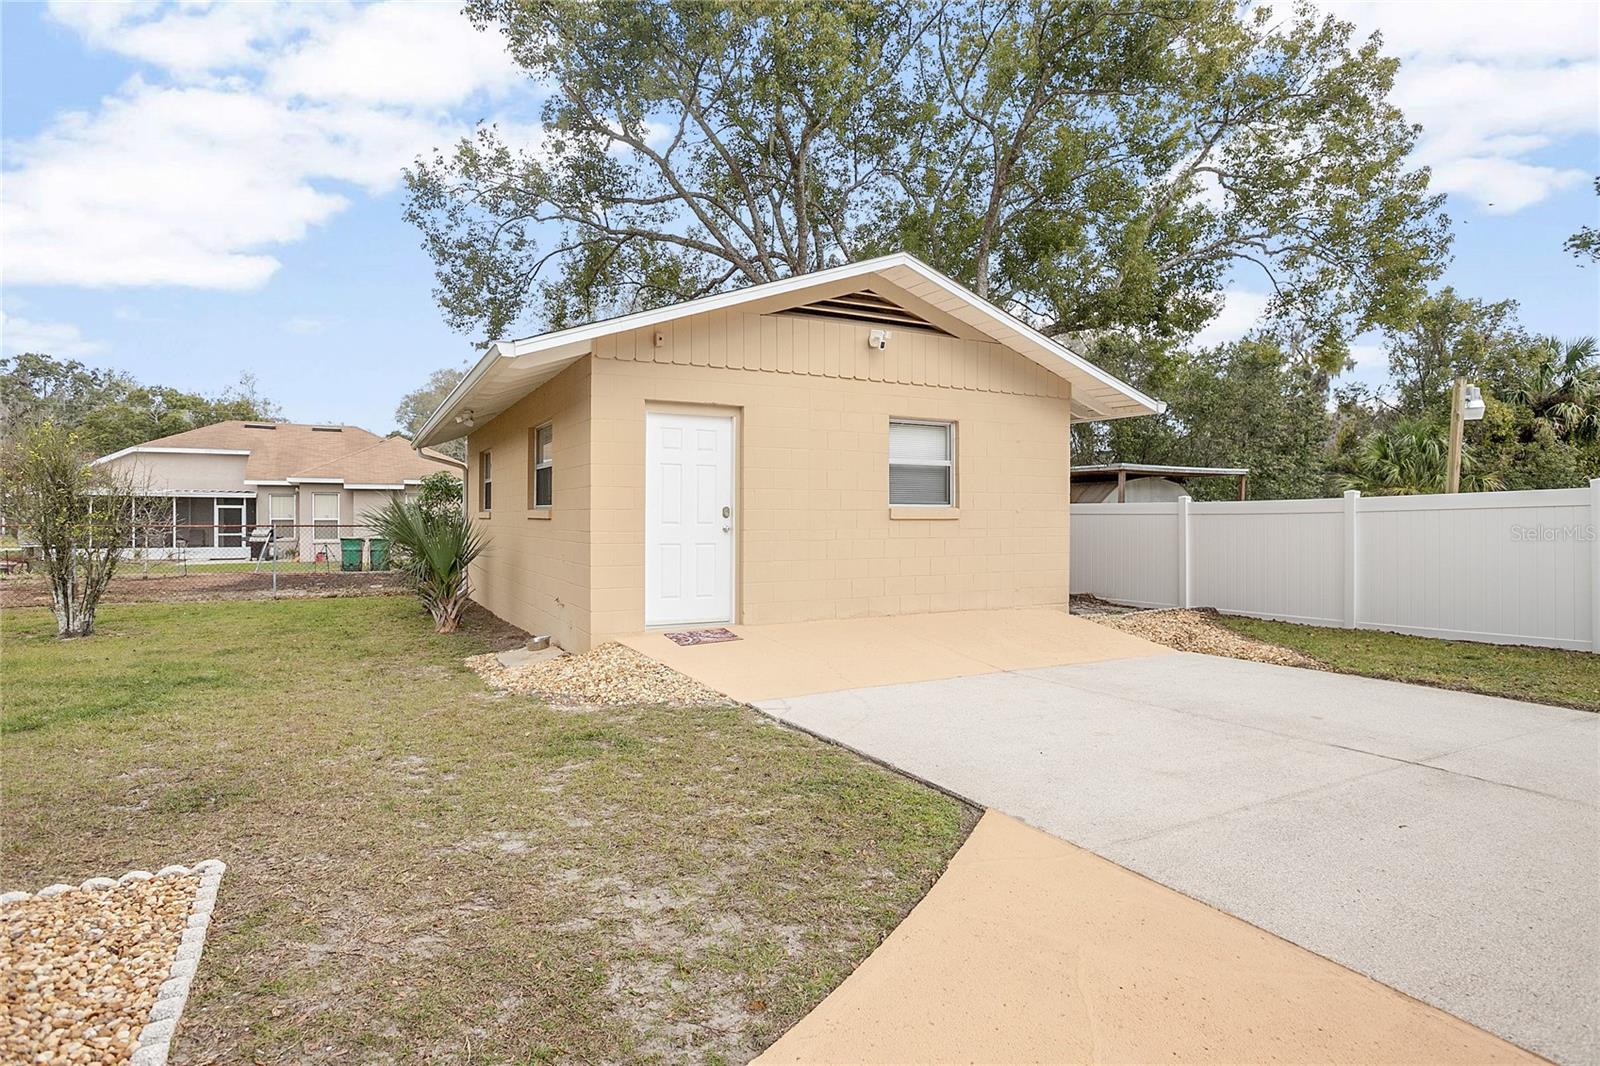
column 423, row 437
column 579, row 338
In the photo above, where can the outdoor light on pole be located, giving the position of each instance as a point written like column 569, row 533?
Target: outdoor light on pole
column 1466, row 405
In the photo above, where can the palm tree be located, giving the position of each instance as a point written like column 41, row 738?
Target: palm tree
column 1407, row 459
column 433, row 549
column 1561, row 387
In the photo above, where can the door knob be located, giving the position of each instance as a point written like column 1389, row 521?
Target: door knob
column 727, row 529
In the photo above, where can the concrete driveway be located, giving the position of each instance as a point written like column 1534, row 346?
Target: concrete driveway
column 1444, row 843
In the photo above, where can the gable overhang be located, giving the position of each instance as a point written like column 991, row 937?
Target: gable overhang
column 510, row 369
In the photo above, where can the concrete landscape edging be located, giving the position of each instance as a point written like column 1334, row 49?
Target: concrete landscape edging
column 155, row 1038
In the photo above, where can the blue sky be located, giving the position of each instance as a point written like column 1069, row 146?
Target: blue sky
column 194, row 193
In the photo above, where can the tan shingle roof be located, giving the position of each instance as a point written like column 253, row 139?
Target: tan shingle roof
column 282, row 450
column 391, row 461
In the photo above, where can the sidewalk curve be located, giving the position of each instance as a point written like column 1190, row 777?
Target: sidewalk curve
column 1029, row 949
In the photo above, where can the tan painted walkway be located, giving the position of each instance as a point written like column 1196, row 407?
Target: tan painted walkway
column 1032, row 950
column 800, row 658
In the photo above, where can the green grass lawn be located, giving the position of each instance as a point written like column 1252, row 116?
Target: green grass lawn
column 422, row 870
column 1543, row 675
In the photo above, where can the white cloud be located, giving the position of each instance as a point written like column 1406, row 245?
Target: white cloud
column 193, row 39
column 423, row 54
column 1241, row 311
column 60, row 339
column 1537, row 30
column 257, row 123
column 1503, row 186
column 1369, row 356
column 1493, row 85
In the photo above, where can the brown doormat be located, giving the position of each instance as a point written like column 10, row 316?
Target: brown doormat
column 690, row 637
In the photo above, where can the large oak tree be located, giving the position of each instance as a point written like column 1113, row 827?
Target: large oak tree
column 1091, row 166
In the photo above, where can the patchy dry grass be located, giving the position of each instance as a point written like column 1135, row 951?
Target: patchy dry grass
column 423, row 871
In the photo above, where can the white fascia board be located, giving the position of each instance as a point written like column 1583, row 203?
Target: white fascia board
column 463, row 387
column 143, row 449
column 579, row 336
column 374, row 486
column 273, row 484
column 1059, row 350
column 316, row 481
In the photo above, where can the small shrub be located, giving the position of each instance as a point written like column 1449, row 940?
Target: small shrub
column 434, row 549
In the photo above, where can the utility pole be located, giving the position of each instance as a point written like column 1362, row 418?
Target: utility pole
column 1458, row 393
column 1466, row 405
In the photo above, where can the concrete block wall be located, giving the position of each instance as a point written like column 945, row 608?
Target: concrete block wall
column 535, row 572
column 815, row 535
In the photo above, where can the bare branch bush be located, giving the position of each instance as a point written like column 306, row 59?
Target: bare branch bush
column 78, row 517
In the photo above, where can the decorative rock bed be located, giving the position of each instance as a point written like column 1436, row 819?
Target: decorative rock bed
column 612, row 675
column 1196, row 630
column 99, row 972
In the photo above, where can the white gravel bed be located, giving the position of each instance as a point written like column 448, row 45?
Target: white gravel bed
column 612, row 675
column 99, row 972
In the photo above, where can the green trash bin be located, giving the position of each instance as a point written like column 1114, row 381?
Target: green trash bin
column 349, row 553
column 379, row 547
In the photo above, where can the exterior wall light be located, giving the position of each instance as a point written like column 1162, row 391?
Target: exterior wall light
column 1466, row 405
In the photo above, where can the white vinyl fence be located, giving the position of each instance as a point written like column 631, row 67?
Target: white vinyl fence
column 1505, row 567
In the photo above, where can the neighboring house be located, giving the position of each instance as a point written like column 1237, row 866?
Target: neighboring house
column 307, row 482
column 1145, row 482
column 871, row 439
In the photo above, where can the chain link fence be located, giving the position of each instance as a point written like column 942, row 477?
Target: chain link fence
column 195, row 561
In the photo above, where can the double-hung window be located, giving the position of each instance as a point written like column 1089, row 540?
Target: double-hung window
column 922, row 471
column 325, row 516
column 282, row 515
column 485, row 482
column 541, row 483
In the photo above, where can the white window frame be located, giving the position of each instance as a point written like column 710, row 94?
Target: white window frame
column 274, row 521
column 485, row 481
column 948, row 464
column 318, row 523
column 535, row 465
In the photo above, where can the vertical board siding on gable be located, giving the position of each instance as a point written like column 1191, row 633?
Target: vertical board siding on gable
column 819, row 347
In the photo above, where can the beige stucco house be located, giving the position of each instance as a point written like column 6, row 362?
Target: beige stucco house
column 866, row 440
column 209, row 487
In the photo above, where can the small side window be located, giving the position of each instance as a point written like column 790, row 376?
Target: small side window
column 282, row 518
column 541, row 487
column 922, row 464
column 485, row 482
column 324, row 516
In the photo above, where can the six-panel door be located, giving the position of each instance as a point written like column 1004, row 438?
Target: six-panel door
column 688, row 507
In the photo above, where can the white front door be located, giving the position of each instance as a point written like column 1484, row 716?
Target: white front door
column 688, row 519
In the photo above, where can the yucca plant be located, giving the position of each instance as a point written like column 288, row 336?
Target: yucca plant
column 433, row 549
